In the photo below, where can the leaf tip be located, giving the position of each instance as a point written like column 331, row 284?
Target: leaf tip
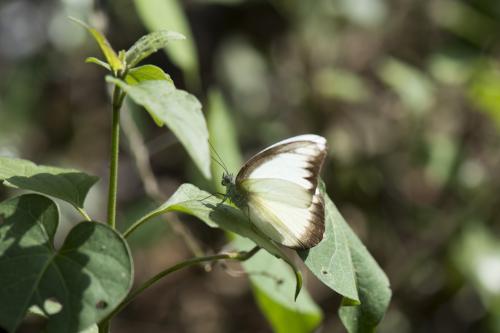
column 176, row 35
column 78, row 21
column 298, row 287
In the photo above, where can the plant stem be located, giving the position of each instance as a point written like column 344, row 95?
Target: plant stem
column 113, row 166
column 240, row 256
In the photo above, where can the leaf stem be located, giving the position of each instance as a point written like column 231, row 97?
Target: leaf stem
column 139, row 222
column 83, row 213
column 113, row 166
column 239, row 256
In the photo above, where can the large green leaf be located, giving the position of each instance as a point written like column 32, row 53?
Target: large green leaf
column 106, row 48
column 191, row 200
column 344, row 264
column 146, row 45
column 373, row 288
column 331, row 260
column 272, row 281
column 88, row 276
column 179, row 110
column 169, row 15
column 66, row 184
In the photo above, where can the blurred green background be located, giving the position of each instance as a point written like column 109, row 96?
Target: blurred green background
column 407, row 93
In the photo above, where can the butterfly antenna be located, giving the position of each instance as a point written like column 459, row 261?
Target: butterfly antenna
column 220, row 161
column 212, row 195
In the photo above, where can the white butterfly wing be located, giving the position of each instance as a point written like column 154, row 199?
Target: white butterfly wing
column 280, row 184
column 279, row 190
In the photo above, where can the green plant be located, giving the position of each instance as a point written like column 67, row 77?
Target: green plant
column 88, row 280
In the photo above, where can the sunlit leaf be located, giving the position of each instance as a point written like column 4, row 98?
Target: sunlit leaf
column 66, row 184
column 149, row 44
column 341, row 84
column 344, row 264
column 98, row 62
column 191, row 200
column 88, row 276
column 146, row 73
column 464, row 20
column 179, row 110
column 373, row 289
column 272, row 281
column 331, row 260
column 414, row 87
column 92, row 329
column 368, row 13
column 107, row 50
column 484, row 91
column 476, row 254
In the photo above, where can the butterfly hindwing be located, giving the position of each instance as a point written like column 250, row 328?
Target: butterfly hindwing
column 280, row 185
column 295, row 227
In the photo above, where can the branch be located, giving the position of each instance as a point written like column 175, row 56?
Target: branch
column 239, row 256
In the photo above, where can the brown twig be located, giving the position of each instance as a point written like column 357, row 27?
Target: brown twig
column 140, row 154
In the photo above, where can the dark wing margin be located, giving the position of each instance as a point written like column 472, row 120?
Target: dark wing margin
column 316, row 229
column 314, row 161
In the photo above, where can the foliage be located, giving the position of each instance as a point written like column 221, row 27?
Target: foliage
column 88, row 279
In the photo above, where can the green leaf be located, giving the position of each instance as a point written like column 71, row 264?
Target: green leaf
column 342, row 84
column 484, row 91
column 110, row 54
column 179, row 110
column 191, row 200
column 66, row 184
column 344, row 264
column 415, row 89
column 98, row 62
column 88, row 276
column 146, row 73
column 475, row 253
column 169, row 15
column 272, row 281
column 92, row 329
column 373, row 289
column 150, row 43
column 331, row 260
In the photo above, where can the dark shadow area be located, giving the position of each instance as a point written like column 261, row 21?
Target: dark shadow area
column 32, row 273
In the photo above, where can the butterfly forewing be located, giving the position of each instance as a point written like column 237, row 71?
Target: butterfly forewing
column 279, row 190
column 280, row 184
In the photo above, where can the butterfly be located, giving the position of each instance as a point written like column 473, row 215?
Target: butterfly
column 278, row 189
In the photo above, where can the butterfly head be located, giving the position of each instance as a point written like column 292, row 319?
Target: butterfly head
column 227, row 179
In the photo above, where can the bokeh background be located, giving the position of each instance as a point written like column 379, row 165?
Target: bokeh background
column 407, row 93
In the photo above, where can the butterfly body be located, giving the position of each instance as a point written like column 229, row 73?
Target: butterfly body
column 278, row 189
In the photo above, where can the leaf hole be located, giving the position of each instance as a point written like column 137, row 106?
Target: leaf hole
column 324, row 272
column 101, row 305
